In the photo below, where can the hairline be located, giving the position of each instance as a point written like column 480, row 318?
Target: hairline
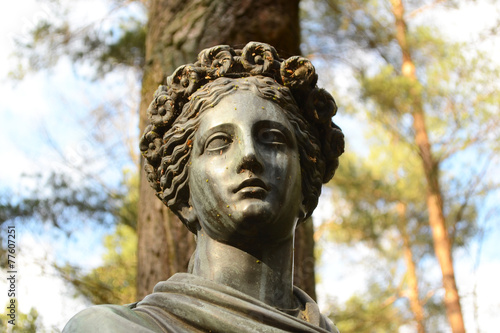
column 290, row 110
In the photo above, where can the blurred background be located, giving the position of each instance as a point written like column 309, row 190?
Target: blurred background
column 406, row 235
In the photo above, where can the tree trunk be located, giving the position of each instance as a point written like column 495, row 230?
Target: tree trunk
column 411, row 271
column 177, row 31
column 442, row 246
column 303, row 271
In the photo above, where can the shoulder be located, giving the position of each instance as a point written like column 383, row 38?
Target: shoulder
column 109, row 318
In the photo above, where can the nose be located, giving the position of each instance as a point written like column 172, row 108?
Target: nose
column 249, row 159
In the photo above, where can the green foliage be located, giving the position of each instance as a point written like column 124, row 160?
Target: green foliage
column 115, row 281
column 127, row 50
column 127, row 210
column 461, row 105
column 110, row 43
column 372, row 312
column 457, row 86
column 24, row 322
column 460, row 97
column 56, row 199
column 389, row 90
column 371, row 189
column 60, row 201
column 115, row 41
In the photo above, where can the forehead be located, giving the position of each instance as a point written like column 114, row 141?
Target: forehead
column 243, row 108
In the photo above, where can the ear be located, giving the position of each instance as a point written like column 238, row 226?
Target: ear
column 188, row 216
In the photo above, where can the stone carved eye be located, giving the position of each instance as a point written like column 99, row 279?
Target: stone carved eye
column 218, row 142
column 271, row 136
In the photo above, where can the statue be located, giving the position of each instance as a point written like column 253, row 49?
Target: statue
column 238, row 147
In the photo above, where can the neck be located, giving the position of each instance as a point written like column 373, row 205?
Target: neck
column 266, row 274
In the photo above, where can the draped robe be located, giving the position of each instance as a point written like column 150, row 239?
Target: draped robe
column 189, row 303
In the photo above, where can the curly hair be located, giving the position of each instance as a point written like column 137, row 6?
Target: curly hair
column 177, row 108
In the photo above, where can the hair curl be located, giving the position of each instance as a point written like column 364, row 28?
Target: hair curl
column 175, row 111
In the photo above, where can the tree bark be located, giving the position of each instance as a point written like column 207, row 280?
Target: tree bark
column 177, row 32
column 442, row 246
column 303, row 272
column 411, row 271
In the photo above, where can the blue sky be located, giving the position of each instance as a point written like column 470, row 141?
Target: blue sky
column 57, row 103
column 48, row 105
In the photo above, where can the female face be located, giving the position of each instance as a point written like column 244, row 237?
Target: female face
column 244, row 177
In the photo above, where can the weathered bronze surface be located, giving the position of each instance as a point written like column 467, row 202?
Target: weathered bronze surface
column 239, row 145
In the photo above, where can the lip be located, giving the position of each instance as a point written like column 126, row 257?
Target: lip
column 251, row 185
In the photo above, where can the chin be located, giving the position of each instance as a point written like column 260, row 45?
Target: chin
column 255, row 211
column 259, row 220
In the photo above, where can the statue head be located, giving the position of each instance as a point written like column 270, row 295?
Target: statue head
column 288, row 86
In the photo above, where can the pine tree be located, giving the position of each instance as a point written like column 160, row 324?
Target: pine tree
column 430, row 96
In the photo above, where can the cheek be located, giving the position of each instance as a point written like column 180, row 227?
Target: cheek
column 288, row 165
column 206, row 180
column 295, row 175
column 293, row 180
